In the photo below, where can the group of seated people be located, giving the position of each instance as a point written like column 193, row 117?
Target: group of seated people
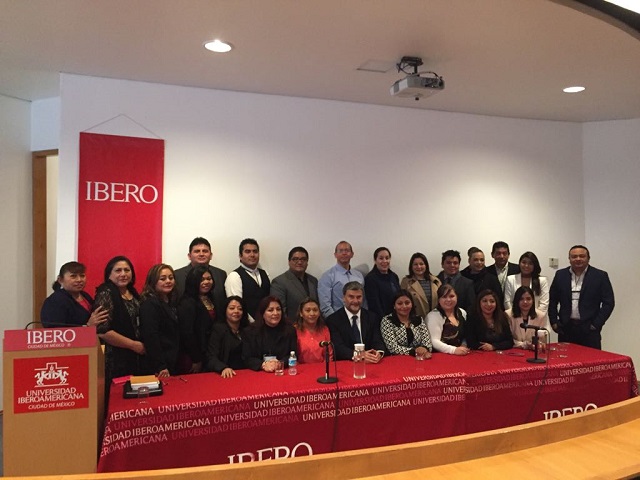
column 163, row 332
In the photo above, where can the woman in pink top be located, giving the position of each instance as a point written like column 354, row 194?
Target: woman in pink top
column 311, row 331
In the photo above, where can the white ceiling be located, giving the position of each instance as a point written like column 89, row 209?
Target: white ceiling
column 498, row 57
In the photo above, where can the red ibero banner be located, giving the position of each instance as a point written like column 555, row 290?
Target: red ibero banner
column 50, row 383
column 119, row 203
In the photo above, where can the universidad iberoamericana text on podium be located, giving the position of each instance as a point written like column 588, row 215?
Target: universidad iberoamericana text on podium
column 53, row 400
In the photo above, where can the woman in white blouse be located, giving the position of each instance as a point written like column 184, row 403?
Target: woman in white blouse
column 529, row 276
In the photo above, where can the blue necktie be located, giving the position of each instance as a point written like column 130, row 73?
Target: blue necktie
column 355, row 330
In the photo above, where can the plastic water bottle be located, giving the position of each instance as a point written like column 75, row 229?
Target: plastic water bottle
column 359, row 369
column 293, row 364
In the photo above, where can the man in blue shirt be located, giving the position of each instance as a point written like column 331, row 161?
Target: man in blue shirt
column 331, row 283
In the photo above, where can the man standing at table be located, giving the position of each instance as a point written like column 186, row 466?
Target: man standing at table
column 502, row 267
column 200, row 254
column 353, row 324
column 248, row 281
column 295, row 284
column 586, row 300
column 331, row 282
column 450, row 274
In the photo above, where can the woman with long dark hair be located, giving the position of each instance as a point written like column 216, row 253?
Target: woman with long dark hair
column 121, row 332
column 524, row 311
column 269, row 339
column 159, row 321
column 224, row 350
column 196, row 314
column 404, row 332
column 69, row 305
column 422, row 284
column 529, row 276
column 446, row 323
column 488, row 326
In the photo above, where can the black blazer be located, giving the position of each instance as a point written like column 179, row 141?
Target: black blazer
column 258, row 341
column 195, row 327
column 221, row 343
column 219, row 296
column 596, row 298
column 61, row 310
column 340, row 328
column 512, row 269
column 160, row 335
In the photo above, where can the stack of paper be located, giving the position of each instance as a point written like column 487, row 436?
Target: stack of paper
column 144, row 381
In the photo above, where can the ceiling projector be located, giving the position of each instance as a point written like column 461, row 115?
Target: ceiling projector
column 415, row 86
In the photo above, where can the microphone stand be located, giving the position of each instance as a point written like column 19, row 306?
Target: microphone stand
column 327, row 378
column 536, row 342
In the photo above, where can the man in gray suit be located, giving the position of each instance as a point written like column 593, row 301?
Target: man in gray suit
column 295, row 284
column 200, row 254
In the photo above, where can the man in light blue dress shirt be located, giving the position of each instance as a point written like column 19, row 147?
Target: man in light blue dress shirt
column 331, row 283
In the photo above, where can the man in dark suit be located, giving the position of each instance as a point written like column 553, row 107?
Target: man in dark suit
column 200, row 254
column 586, row 300
column 295, row 284
column 353, row 324
column 502, row 267
column 450, row 274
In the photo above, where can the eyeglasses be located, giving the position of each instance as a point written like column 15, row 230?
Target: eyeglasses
column 299, row 259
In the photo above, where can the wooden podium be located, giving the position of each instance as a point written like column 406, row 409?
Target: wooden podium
column 53, row 401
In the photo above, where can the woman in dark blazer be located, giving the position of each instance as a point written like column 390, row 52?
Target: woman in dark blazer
column 159, row 321
column 69, row 305
column 381, row 284
column 489, row 326
column 224, row 351
column 196, row 315
column 270, row 338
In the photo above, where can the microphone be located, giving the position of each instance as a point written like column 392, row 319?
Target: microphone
column 324, row 343
column 532, row 327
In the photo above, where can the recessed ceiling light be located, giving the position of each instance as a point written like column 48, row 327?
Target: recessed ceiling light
column 218, row 46
column 575, row 89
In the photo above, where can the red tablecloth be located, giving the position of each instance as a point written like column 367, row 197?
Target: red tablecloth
column 204, row 419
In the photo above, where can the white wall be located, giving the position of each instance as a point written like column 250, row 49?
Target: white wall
column 15, row 215
column 291, row 171
column 612, row 203
column 45, row 124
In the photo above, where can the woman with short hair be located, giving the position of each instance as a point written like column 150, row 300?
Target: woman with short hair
column 69, row 305
column 446, row 323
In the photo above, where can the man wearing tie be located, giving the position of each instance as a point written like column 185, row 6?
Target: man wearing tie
column 353, row 324
column 331, row 283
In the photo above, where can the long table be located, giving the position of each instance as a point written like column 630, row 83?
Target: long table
column 204, row 419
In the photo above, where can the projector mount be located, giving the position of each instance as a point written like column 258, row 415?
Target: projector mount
column 416, row 84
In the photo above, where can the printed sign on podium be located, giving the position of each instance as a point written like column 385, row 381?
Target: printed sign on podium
column 53, row 399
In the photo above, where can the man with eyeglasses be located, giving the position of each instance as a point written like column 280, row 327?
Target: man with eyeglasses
column 295, row 284
column 331, row 283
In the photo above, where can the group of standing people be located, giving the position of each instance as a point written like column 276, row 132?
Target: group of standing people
column 198, row 318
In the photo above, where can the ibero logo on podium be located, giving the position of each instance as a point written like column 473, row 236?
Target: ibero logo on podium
column 50, row 383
